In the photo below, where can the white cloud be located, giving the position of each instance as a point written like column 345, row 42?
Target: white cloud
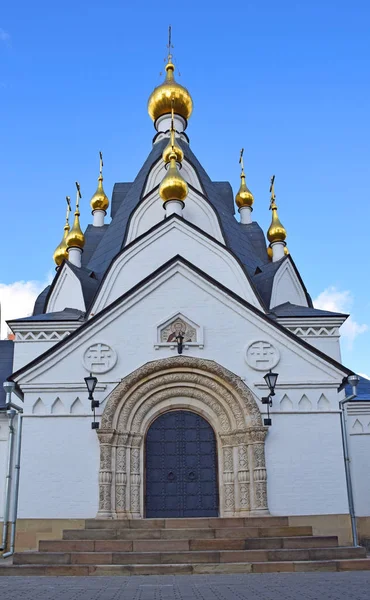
column 4, row 36
column 341, row 301
column 17, row 300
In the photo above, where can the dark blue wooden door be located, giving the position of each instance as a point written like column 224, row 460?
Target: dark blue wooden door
column 181, row 467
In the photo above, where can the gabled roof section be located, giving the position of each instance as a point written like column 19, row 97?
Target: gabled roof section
column 40, row 302
column 93, row 237
column 112, row 243
column 120, row 191
column 68, row 314
column 6, row 365
column 287, row 310
column 180, row 259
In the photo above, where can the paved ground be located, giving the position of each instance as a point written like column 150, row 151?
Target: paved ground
column 275, row 586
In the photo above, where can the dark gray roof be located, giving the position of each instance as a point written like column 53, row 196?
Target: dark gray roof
column 120, row 191
column 39, row 306
column 294, row 310
column 247, row 242
column 363, row 389
column 93, row 236
column 68, row 314
column 263, row 279
column 111, row 244
column 89, row 282
column 6, row 365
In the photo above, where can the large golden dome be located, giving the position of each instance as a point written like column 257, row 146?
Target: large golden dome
column 276, row 232
column 168, row 94
column 173, row 186
column 99, row 201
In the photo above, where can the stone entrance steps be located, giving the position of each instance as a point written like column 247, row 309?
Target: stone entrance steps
column 183, row 546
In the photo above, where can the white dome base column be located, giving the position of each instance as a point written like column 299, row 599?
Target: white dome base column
column 173, row 207
column 98, row 216
column 163, row 123
column 245, row 214
column 277, row 251
column 74, row 256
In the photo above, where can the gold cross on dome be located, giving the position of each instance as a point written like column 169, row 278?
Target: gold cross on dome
column 169, row 45
column 78, row 195
column 101, row 164
column 272, row 189
column 68, row 207
column 241, row 159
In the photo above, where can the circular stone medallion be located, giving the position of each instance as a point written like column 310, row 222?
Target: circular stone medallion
column 262, row 355
column 99, row 358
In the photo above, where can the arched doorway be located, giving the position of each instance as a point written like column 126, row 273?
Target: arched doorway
column 182, row 383
column 181, row 467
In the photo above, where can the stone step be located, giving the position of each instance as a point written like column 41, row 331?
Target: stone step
column 187, row 557
column 272, row 543
column 186, row 544
column 176, row 534
column 195, row 523
column 186, row 569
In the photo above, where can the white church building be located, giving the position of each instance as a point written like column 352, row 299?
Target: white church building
column 179, row 306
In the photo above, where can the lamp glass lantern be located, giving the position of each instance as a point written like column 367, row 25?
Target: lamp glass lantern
column 271, row 379
column 91, row 382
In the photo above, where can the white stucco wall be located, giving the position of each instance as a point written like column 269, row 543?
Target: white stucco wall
column 358, row 427
column 60, row 453
column 4, row 435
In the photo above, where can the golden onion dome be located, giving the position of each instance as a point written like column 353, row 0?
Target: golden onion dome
column 170, row 148
column 173, row 186
column 75, row 238
column 61, row 252
column 244, row 197
column 276, row 232
column 168, row 94
column 100, row 200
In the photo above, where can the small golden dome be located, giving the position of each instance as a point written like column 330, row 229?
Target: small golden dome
column 60, row 252
column 170, row 148
column 269, row 252
column 75, row 238
column 173, row 186
column 99, row 201
column 160, row 100
column 276, row 232
column 244, row 197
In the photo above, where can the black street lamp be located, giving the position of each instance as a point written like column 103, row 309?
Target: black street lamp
column 91, row 382
column 271, row 379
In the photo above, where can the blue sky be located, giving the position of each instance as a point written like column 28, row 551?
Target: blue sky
column 289, row 81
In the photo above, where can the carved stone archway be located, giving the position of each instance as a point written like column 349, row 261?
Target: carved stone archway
column 204, row 387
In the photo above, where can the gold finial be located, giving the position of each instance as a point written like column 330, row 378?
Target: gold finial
column 60, row 252
column 172, row 147
column 244, row 197
column 100, row 201
column 76, row 238
column 160, row 100
column 276, row 232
